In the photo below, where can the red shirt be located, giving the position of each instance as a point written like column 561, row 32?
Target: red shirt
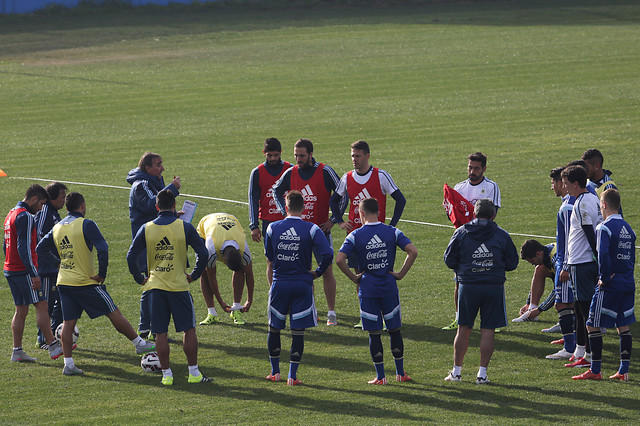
column 358, row 192
column 460, row 210
column 268, row 210
column 12, row 261
column 315, row 193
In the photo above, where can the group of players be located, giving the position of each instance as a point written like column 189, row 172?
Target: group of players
column 293, row 203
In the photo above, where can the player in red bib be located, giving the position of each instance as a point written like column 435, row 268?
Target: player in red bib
column 262, row 205
column 364, row 181
column 316, row 182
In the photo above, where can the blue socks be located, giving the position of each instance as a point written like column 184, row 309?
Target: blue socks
column 273, row 344
column 297, row 347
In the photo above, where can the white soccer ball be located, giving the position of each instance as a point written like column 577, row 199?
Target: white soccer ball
column 76, row 334
column 150, row 362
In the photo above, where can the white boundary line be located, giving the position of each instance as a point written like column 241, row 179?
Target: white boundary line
column 246, row 204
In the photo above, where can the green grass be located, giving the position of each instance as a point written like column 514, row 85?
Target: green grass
column 530, row 83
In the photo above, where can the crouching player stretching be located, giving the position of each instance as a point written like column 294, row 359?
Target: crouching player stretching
column 290, row 244
column 374, row 244
column 613, row 301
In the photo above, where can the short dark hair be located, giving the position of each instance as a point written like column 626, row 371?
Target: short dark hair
column 361, row 146
column 232, row 258
column 36, row 190
column 369, row 206
column 484, row 209
column 147, row 160
column 165, row 199
column 54, row 188
column 593, row 154
column 530, row 248
column 272, row 144
column 556, row 174
column 576, row 174
column 580, row 163
column 73, row 201
column 304, row 143
column 478, row 156
column 294, row 201
column 612, row 198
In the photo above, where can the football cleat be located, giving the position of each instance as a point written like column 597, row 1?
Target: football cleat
column 623, row 377
column 451, row 378
column 557, row 342
column 167, row 380
column 55, row 350
column 377, row 381
column 293, row 382
column 198, row 379
column 588, row 375
column 145, row 347
column 579, row 363
column 21, row 356
column 404, row 378
column 332, row 320
column 210, row 319
column 41, row 345
column 554, row 329
column 72, row 371
column 525, row 317
column 482, row 380
column 237, row 317
column 273, row 377
column 358, row 325
column 561, row 354
column 452, row 326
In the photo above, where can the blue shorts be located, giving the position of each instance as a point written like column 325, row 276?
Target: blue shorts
column 584, row 277
column 166, row 304
column 316, row 248
column 22, row 292
column 374, row 309
column 294, row 298
column 93, row 299
column 609, row 309
column 352, row 260
column 486, row 298
column 564, row 290
column 265, row 225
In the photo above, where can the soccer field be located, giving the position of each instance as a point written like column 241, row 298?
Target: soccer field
column 532, row 84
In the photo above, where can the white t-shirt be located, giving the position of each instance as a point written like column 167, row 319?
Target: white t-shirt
column 485, row 189
column 386, row 182
column 586, row 211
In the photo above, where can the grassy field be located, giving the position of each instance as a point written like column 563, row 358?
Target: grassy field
column 530, row 83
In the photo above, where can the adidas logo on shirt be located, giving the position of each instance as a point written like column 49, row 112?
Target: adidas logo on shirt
column 290, row 235
column 65, row 243
column 361, row 196
column 375, row 243
column 307, row 193
column 624, row 234
column 482, row 251
column 164, row 244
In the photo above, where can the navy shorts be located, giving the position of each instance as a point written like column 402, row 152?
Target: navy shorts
column 486, row 298
column 22, row 292
column 294, row 298
column 609, row 309
column 265, row 225
column 564, row 290
column 584, row 277
column 166, row 304
column 93, row 299
column 316, row 248
column 374, row 309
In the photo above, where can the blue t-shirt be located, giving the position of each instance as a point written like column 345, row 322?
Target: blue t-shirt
column 375, row 244
column 616, row 254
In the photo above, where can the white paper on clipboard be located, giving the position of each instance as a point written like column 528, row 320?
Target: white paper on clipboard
column 189, row 209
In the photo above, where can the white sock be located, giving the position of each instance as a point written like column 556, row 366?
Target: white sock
column 193, row 370
column 456, row 316
column 17, row 349
column 482, row 372
column 167, row 373
column 531, row 308
column 68, row 362
column 212, row 311
column 137, row 341
column 457, row 370
column 579, row 352
column 331, row 313
column 587, row 356
column 236, row 306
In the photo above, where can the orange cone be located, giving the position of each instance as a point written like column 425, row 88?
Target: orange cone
column 2, row 173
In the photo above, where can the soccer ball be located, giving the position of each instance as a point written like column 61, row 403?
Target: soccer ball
column 58, row 334
column 150, row 362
